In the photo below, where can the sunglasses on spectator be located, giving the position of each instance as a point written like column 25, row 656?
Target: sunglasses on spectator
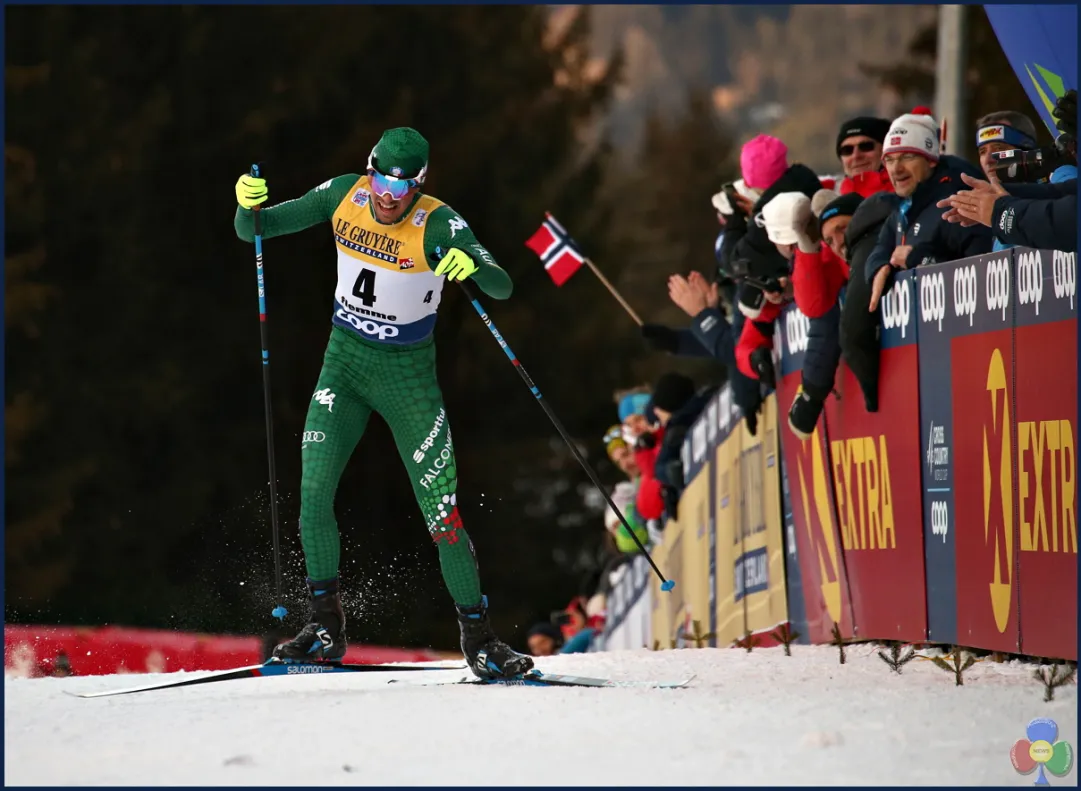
column 866, row 146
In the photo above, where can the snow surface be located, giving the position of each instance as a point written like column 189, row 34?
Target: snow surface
column 759, row 718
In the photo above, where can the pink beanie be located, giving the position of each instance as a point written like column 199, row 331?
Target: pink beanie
column 763, row 160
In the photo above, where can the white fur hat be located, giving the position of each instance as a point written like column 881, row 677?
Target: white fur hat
column 784, row 214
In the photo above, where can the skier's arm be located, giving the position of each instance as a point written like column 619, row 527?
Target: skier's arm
column 315, row 206
column 445, row 229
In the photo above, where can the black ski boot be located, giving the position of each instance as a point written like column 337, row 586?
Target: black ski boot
column 323, row 639
column 487, row 655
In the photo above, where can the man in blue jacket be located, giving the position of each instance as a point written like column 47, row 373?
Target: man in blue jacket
column 916, row 233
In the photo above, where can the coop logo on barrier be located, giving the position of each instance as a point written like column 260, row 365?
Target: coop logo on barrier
column 940, row 519
column 724, row 418
column 698, row 442
column 997, row 279
column 965, row 287
column 897, row 307
column 933, row 298
column 1030, row 278
column 998, row 482
column 711, row 421
column 1064, row 274
column 796, row 329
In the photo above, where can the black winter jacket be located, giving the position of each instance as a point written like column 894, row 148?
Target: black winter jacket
column 1039, row 215
column 669, row 466
column 933, row 239
column 859, row 328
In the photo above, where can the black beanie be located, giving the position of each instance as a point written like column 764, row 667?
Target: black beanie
column 672, row 391
column 874, row 128
column 548, row 630
column 844, row 206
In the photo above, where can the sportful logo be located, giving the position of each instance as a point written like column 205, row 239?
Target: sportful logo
column 383, row 331
column 1064, row 271
column 796, row 328
column 1030, row 278
column 997, row 281
column 456, row 224
column 933, row 298
column 325, row 397
column 897, row 307
column 426, row 445
column 965, row 287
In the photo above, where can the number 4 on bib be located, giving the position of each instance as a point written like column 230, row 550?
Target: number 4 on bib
column 364, row 288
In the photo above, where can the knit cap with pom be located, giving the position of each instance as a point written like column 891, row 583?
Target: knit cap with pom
column 915, row 133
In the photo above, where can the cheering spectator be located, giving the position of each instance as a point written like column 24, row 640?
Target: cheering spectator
column 859, row 147
column 633, row 406
column 670, row 393
column 677, row 412
column 623, row 496
column 1047, row 219
column 916, row 233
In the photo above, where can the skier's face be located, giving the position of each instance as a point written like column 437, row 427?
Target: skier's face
column 390, row 198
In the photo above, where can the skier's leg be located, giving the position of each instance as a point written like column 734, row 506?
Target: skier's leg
column 335, row 423
column 412, row 404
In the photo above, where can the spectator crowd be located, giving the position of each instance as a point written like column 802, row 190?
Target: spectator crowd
column 832, row 246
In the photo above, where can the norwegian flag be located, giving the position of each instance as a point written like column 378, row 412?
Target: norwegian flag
column 557, row 251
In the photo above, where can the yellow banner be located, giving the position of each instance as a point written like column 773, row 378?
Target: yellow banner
column 759, row 565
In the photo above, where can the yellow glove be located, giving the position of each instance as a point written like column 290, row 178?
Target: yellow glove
column 456, row 265
column 250, row 191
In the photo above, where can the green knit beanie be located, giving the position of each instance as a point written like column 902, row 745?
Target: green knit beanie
column 402, row 153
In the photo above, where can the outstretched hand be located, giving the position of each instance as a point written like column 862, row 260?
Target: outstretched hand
column 973, row 206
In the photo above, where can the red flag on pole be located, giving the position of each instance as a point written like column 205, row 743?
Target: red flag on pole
column 557, row 251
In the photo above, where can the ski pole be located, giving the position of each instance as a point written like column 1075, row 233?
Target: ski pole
column 467, row 287
column 278, row 612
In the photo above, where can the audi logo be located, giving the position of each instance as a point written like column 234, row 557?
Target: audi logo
column 796, row 328
column 314, row 436
column 1030, row 278
column 940, row 519
column 933, row 298
column 1064, row 272
column 897, row 307
column 997, row 280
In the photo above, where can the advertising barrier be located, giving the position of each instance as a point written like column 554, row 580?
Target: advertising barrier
column 948, row 516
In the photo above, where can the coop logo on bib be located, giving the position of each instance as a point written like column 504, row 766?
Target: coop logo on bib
column 361, row 196
column 419, row 217
column 367, row 326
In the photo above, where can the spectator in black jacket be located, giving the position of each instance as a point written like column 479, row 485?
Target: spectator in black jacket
column 916, row 233
column 677, row 405
column 1029, row 215
column 860, row 344
column 747, row 249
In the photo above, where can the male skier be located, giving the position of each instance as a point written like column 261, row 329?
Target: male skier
column 394, row 245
